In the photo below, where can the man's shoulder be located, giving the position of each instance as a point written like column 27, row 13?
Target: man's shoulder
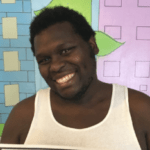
column 140, row 108
column 138, row 99
column 25, row 106
column 18, row 121
column 23, row 111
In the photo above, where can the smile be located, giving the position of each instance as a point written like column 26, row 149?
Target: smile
column 65, row 78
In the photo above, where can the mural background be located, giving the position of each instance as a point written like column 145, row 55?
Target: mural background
column 122, row 34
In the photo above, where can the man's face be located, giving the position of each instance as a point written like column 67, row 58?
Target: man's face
column 64, row 60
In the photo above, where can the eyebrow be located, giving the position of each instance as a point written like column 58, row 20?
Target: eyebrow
column 40, row 55
column 44, row 55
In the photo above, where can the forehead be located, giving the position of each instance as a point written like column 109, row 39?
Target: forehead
column 54, row 35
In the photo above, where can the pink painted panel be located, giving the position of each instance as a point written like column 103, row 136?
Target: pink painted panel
column 134, row 56
column 143, row 33
column 113, row 3
column 113, row 31
column 144, row 3
column 142, row 69
column 111, row 69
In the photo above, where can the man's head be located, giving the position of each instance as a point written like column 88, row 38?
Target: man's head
column 57, row 15
column 66, row 59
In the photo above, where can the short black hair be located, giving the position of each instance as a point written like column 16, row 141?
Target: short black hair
column 51, row 16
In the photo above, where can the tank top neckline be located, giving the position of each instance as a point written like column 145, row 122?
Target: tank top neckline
column 83, row 129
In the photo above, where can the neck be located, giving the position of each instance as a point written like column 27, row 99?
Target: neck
column 95, row 92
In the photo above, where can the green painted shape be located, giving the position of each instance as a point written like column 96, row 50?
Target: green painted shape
column 106, row 44
column 1, row 129
column 82, row 6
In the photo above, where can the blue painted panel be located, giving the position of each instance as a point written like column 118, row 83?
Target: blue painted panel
column 4, row 42
column 29, row 95
column 4, row 118
column 23, row 29
column 31, row 76
column 2, row 98
column 22, row 41
column 1, row 29
column 2, row 15
column 27, row 6
column 25, row 87
column 27, row 65
column 22, row 96
column 95, row 14
column 1, row 65
column 39, row 4
column 21, row 51
column 22, row 18
column 16, row 7
column 2, row 85
column 29, row 54
column 22, row 54
column 0, row 119
column 13, row 76
column 5, row 109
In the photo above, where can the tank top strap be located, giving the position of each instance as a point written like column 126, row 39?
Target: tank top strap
column 42, row 101
column 119, row 104
column 41, row 114
column 119, row 94
column 120, row 114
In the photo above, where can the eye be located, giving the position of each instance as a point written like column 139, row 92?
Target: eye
column 67, row 50
column 44, row 60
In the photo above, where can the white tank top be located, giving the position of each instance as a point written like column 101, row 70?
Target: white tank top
column 114, row 132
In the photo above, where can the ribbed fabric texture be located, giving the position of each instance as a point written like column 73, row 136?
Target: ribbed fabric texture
column 115, row 132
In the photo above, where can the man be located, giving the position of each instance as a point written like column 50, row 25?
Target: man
column 78, row 110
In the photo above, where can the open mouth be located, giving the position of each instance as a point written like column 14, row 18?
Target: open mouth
column 65, row 78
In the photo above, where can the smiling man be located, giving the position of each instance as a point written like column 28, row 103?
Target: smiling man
column 77, row 110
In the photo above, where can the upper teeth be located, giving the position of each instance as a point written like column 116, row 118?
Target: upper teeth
column 65, row 78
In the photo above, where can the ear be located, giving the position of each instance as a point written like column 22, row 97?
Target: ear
column 93, row 44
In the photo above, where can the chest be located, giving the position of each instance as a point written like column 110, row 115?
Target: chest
column 80, row 118
column 84, row 118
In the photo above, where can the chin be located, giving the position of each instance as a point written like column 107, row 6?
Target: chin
column 74, row 96
column 70, row 96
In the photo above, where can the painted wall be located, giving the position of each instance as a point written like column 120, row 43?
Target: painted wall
column 126, row 21
column 17, row 69
column 122, row 34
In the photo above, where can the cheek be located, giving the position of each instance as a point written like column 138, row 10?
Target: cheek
column 77, row 59
column 80, row 60
column 43, row 72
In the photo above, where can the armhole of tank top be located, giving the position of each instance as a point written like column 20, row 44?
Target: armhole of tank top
column 32, row 122
column 130, row 118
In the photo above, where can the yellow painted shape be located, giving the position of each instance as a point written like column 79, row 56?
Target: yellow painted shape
column 11, row 62
column 11, row 94
column 9, row 26
column 8, row 1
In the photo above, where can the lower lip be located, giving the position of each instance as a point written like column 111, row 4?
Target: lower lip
column 66, row 83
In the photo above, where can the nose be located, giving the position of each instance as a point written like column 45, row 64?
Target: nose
column 56, row 64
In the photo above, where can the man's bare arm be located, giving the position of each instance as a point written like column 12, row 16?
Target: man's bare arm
column 10, row 133
column 18, row 121
column 146, row 122
column 140, row 112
